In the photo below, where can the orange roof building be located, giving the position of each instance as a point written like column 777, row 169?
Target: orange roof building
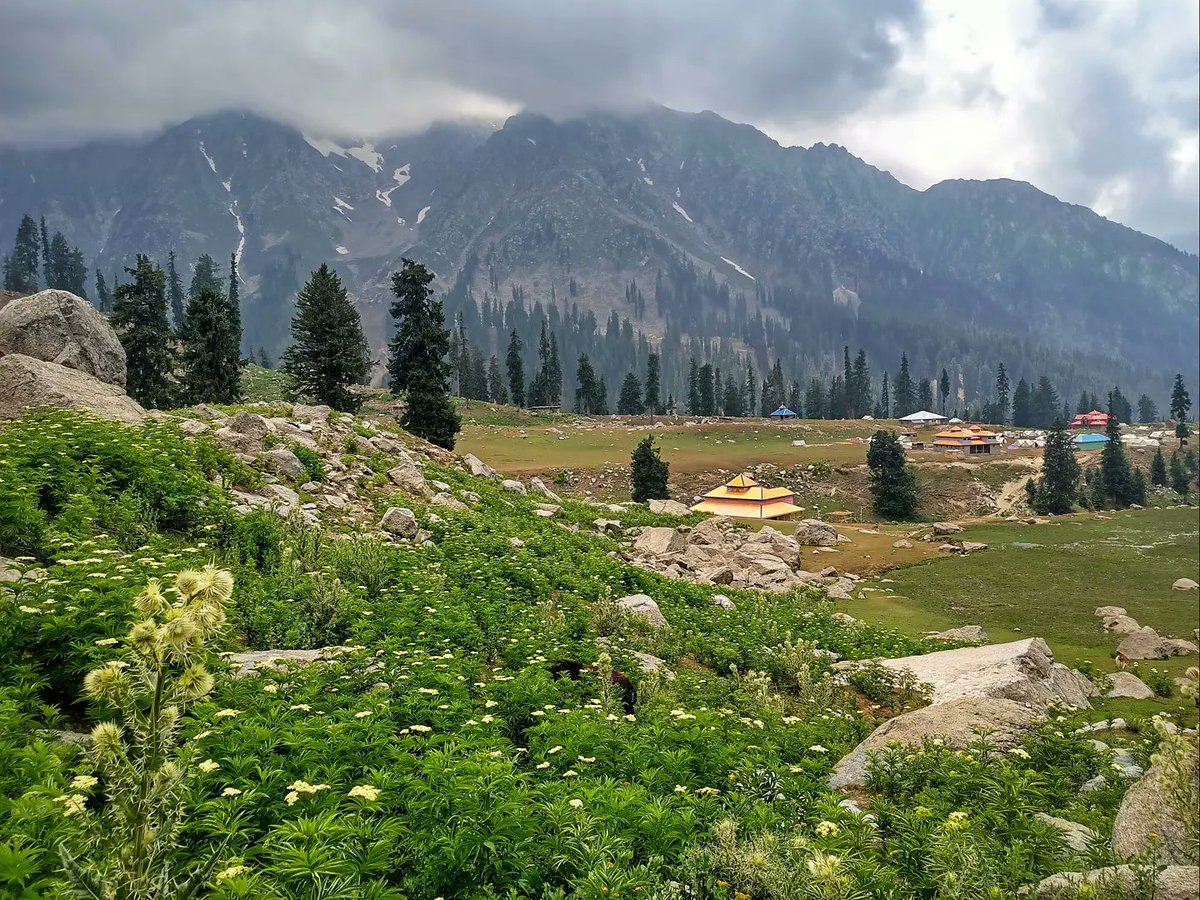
column 744, row 498
column 971, row 439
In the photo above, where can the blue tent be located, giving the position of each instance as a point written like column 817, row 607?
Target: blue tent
column 782, row 413
column 1090, row 441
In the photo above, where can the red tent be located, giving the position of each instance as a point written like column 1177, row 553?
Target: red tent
column 1093, row 419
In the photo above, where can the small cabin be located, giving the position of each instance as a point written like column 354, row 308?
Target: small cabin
column 744, row 498
column 972, row 440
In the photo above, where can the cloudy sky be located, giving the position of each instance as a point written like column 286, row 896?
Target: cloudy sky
column 1095, row 101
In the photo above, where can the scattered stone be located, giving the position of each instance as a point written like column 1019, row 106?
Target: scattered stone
column 903, row 544
column 58, row 327
column 972, row 546
column 722, row 601
column 1023, row 671
column 956, row 722
column 1128, row 685
column 720, row 575
column 1078, row 837
column 1171, row 883
column 408, row 478
column 249, row 662
column 1146, row 809
column 8, row 570
column 400, row 521
column 1185, row 584
column 1179, row 647
column 250, row 424
column 668, row 508
column 514, row 486
column 443, row 499
column 1122, row 625
column 963, row 633
column 643, row 605
column 815, row 533
column 479, row 468
column 648, row 664
column 660, row 541
column 608, row 526
column 1093, row 784
column 470, row 497
column 941, row 529
column 540, row 486
column 193, row 427
column 1142, row 644
column 284, row 462
column 516, row 542
column 843, row 618
column 281, row 493
column 28, row 383
column 1106, row 612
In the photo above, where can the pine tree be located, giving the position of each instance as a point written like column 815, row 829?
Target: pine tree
column 648, row 472
column 1181, row 405
column 1002, row 405
column 1114, row 466
column 693, row 389
column 417, row 365
column 885, row 403
column 860, row 378
column 1179, row 475
column 601, row 397
column 204, row 275
column 706, row 391
column 904, row 392
column 175, row 292
column 46, row 266
column 263, row 359
column 751, row 398
column 140, row 318
column 328, row 350
column 1158, row 469
column 1022, row 405
column 1119, row 406
column 1059, row 484
column 893, row 484
column 1147, row 410
column 477, row 384
column 103, row 300
column 814, row 401
column 206, row 377
column 234, row 302
column 587, row 387
column 925, row 394
column 515, row 369
column 944, row 389
column 733, row 398
column 629, row 400
column 653, row 388
column 21, row 268
column 56, row 262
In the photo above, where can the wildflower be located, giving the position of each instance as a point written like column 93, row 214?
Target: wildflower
column 270, row 688
column 231, row 792
column 586, row 759
column 956, row 821
column 106, row 642
column 29, row 609
column 208, row 766
column 553, row 750
column 543, row 765
column 202, row 735
column 232, row 872
column 300, row 707
column 1019, row 752
column 72, row 804
column 490, row 704
column 421, row 728
column 488, row 720
column 680, row 789
column 366, row 791
column 817, row 748
column 83, row 782
column 226, row 713
column 575, row 803
column 570, row 773
column 362, row 714
column 827, row 829
column 430, row 691
column 291, row 797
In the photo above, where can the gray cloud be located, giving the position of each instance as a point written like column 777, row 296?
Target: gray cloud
column 1106, row 124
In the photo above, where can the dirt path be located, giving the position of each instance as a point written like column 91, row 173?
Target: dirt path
column 1012, row 499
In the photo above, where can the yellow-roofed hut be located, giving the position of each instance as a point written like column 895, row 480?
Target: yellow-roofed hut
column 744, row 498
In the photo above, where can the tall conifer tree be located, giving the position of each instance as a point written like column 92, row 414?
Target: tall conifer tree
column 140, row 318
column 329, row 351
column 515, row 369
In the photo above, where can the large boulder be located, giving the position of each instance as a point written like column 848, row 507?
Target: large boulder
column 27, row 383
column 1143, row 644
column 956, row 722
column 815, row 533
column 668, row 507
column 1171, row 883
column 479, row 468
column 643, row 605
column 660, row 541
column 1078, row 837
column 1185, row 584
column 1024, row 671
column 284, row 462
column 1129, row 686
column 400, row 522
column 941, row 529
column 409, row 478
column 963, row 633
column 540, row 486
column 58, row 327
column 1147, row 809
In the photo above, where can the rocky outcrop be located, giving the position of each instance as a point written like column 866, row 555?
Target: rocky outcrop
column 400, row 522
column 963, row 633
column 660, row 541
column 1129, row 686
column 59, row 327
column 409, row 479
column 1022, row 671
column 1077, row 837
column 643, row 605
column 478, row 468
column 956, row 722
column 28, row 383
column 668, row 507
column 1171, row 883
column 1148, row 809
column 540, row 486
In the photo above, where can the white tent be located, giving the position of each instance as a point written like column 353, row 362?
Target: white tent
column 923, row 417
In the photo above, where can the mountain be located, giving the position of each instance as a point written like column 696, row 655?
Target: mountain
column 734, row 239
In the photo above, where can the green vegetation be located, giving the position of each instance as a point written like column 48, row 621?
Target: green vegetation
column 1056, row 490
column 648, row 473
column 893, row 485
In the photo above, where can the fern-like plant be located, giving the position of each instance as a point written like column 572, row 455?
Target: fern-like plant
column 123, row 850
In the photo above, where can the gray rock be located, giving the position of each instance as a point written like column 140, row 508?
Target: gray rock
column 643, row 605
column 1143, row 644
column 608, row 526
column 719, row 575
column 903, row 544
column 1093, row 784
column 28, row 383
column 1077, row 836
column 1146, row 809
column 540, row 486
column 1179, row 647
column 399, row 521
column 963, row 633
column 722, row 601
column 706, row 534
column 193, row 427
column 1171, row 883
column 514, row 486
column 281, row 493
column 1122, row 625
column 660, row 541
column 668, row 507
column 1128, row 685
column 972, row 546
column 250, row 424
column 479, row 468
column 58, row 327
column 648, row 663
column 843, row 618
column 443, row 499
column 941, row 529
column 408, row 478
column 9, row 570
column 1023, row 671
column 1105, row 612
column 1185, row 584
column 815, row 533
column 956, row 722
column 284, row 462
column 249, row 662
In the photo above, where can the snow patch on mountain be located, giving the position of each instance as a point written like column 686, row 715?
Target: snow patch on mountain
column 341, row 206
column 683, row 212
column 366, row 154
column 341, row 250
column 648, row 181
column 227, row 184
column 424, row 212
column 400, row 176
column 642, row 166
column 212, row 165
column 324, row 146
column 233, row 211
column 737, row 268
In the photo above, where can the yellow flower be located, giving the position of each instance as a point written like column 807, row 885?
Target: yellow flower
column 208, row 766
column 83, row 782
column 366, row 791
column 362, row 714
column 106, row 642
column 232, row 872
column 827, row 829
column 231, row 792
column 72, row 804
column 575, row 803
column 292, row 797
column 226, row 713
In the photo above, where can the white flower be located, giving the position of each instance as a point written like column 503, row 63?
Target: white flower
column 83, row 782
column 300, row 707
column 106, row 642
column 362, row 714
column 366, row 791
column 553, row 750
column 421, row 728
column 575, row 803
column 817, row 748
column 226, row 713
column 208, row 766
column 231, row 792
